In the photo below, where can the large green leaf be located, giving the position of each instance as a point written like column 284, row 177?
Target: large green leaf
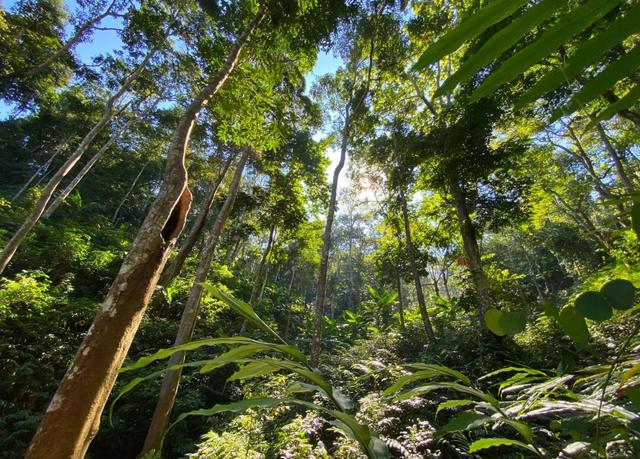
column 502, row 41
column 530, row 371
column 441, row 370
column 620, row 293
column 573, row 324
column 485, row 443
column 594, row 306
column 513, row 322
column 587, row 54
column 492, row 320
column 467, row 420
column 248, row 350
column 243, row 309
column 470, row 28
column 625, row 102
column 426, row 371
column 449, row 404
column 569, row 25
column 605, row 80
column 421, row 390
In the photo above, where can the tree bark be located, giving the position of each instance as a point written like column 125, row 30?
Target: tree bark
column 84, row 171
column 617, row 160
column 321, row 290
column 77, row 36
column 426, row 321
column 128, row 193
column 400, row 304
column 73, row 416
column 173, row 270
column 169, row 388
column 471, row 251
column 42, row 170
column 52, row 185
column 260, row 272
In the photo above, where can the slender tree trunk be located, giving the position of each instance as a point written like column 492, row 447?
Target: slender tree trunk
column 75, row 39
column 321, row 289
column 171, row 380
column 426, row 321
column 231, row 254
column 84, row 171
column 471, row 251
column 260, row 272
column 400, row 304
column 52, row 185
column 445, row 284
column 42, row 169
column 73, row 416
column 174, row 269
column 617, row 160
column 114, row 218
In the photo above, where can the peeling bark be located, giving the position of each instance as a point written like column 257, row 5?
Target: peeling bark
column 169, row 388
column 73, row 416
column 173, row 270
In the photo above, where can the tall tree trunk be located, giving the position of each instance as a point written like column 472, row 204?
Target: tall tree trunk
column 426, row 321
column 114, row 218
column 321, row 289
column 73, row 416
column 84, row 171
column 75, row 39
column 471, row 251
column 617, row 160
column 400, row 299
column 260, row 272
column 52, row 185
column 174, row 269
column 171, row 380
column 42, row 170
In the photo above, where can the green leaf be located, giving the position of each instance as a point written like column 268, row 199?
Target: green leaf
column 243, row 309
column 635, row 210
column 530, row 371
column 588, row 53
column 467, row 420
column 569, row 25
column 421, row 390
column 625, row 102
column 513, row 322
column 594, row 306
column 502, row 41
column 522, row 428
column 485, row 443
column 470, row 28
column 427, row 371
column 573, row 324
column 253, row 370
column 492, row 320
column 449, row 404
column 605, row 80
column 620, row 293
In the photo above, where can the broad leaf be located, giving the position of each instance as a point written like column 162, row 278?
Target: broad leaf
column 620, row 293
column 485, row 443
column 594, row 306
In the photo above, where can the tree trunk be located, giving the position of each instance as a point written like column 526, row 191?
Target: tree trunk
column 77, row 36
column 321, row 289
column 400, row 305
column 260, row 272
column 174, row 269
column 84, row 171
column 617, row 160
column 42, row 170
column 128, row 193
column 73, row 416
column 426, row 321
column 171, row 380
column 61, row 173
column 471, row 251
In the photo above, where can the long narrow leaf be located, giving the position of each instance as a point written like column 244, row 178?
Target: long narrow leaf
column 587, row 54
column 502, row 41
column 470, row 28
column 616, row 71
column 485, row 443
column 625, row 102
column 569, row 25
